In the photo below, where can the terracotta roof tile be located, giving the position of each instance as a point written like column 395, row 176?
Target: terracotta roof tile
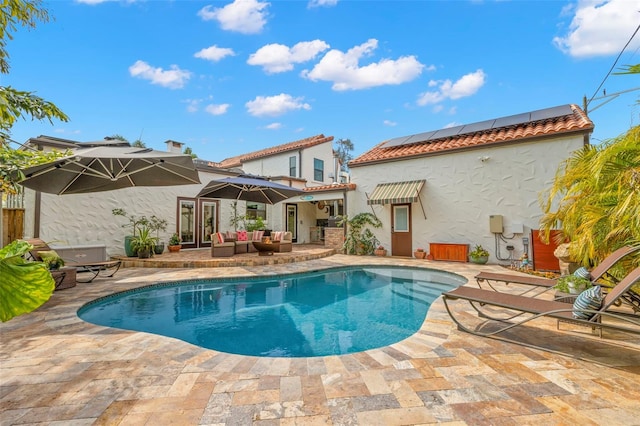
column 291, row 146
column 332, row 187
column 577, row 121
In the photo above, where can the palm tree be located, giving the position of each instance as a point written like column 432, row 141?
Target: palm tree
column 595, row 199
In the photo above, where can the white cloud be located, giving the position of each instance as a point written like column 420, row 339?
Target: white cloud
column 243, row 16
column 214, row 53
column 468, row 85
column 274, row 126
column 600, row 28
column 275, row 58
column 390, row 123
column 322, row 3
column 174, row 78
column 193, row 105
column 452, row 124
column 219, row 109
column 342, row 69
column 275, row 105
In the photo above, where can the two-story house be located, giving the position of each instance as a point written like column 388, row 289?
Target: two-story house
column 87, row 219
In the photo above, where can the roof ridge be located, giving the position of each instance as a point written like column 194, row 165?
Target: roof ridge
column 288, row 146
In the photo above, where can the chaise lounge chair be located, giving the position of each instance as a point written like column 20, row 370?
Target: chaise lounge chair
column 92, row 269
column 535, row 308
column 540, row 285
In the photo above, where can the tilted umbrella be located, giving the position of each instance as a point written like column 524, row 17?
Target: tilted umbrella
column 105, row 168
column 249, row 188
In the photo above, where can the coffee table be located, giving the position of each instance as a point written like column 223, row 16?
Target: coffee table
column 266, row 249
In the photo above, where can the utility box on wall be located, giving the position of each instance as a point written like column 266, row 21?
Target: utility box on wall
column 495, row 224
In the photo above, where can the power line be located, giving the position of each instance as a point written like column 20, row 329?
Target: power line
column 614, row 64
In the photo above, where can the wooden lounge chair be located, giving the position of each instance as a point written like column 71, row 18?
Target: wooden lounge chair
column 539, row 285
column 92, row 269
column 532, row 308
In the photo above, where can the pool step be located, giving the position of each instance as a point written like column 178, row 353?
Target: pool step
column 422, row 293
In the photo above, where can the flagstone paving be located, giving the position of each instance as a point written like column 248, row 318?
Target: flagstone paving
column 57, row 369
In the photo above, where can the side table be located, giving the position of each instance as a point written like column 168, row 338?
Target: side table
column 64, row 277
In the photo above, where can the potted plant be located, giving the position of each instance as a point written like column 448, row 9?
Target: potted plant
column 134, row 223
column 156, row 224
column 143, row 243
column 174, row 243
column 479, row 255
column 380, row 251
column 51, row 259
column 572, row 284
column 420, row 253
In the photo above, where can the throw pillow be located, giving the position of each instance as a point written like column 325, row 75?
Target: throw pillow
column 257, row 235
column 582, row 272
column 276, row 235
column 220, row 237
column 230, row 235
column 588, row 299
column 242, row 236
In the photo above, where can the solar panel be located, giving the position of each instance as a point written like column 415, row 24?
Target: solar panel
column 559, row 111
column 512, row 120
column 396, row 141
column 448, row 132
column 420, row 137
column 477, row 127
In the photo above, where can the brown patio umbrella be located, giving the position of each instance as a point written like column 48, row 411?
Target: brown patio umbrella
column 249, row 188
column 105, row 168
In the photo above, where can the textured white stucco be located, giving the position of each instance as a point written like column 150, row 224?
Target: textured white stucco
column 462, row 191
column 86, row 219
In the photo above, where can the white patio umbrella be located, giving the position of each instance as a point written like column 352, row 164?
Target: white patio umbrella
column 105, row 168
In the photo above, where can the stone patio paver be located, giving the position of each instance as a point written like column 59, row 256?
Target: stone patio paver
column 57, row 369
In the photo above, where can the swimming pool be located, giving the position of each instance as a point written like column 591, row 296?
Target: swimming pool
column 329, row 312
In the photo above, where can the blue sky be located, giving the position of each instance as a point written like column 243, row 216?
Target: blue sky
column 228, row 78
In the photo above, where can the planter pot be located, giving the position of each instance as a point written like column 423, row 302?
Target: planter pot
column 480, row 260
column 144, row 254
column 128, row 250
column 420, row 254
column 158, row 248
column 175, row 249
column 380, row 252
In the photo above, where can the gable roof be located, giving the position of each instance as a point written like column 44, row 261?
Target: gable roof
column 564, row 119
column 278, row 149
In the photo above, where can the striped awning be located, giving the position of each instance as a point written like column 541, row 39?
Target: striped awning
column 396, row 192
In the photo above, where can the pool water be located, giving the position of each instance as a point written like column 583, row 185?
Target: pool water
column 329, row 312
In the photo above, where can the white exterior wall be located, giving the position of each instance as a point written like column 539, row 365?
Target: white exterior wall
column 278, row 164
column 461, row 192
column 86, row 219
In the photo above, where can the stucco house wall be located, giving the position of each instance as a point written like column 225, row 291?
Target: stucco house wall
column 463, row 188
column 86, row 219
column 277, row 164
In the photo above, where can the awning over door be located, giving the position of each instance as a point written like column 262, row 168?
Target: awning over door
column 396, row 192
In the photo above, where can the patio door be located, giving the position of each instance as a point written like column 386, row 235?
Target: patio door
column 401, row 241
column 197, row 220
column 292, row 221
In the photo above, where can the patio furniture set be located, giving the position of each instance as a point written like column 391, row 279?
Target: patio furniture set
column 501, row 312
column 230, row 243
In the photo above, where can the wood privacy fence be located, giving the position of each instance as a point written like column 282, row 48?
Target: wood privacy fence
column 12, row 225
